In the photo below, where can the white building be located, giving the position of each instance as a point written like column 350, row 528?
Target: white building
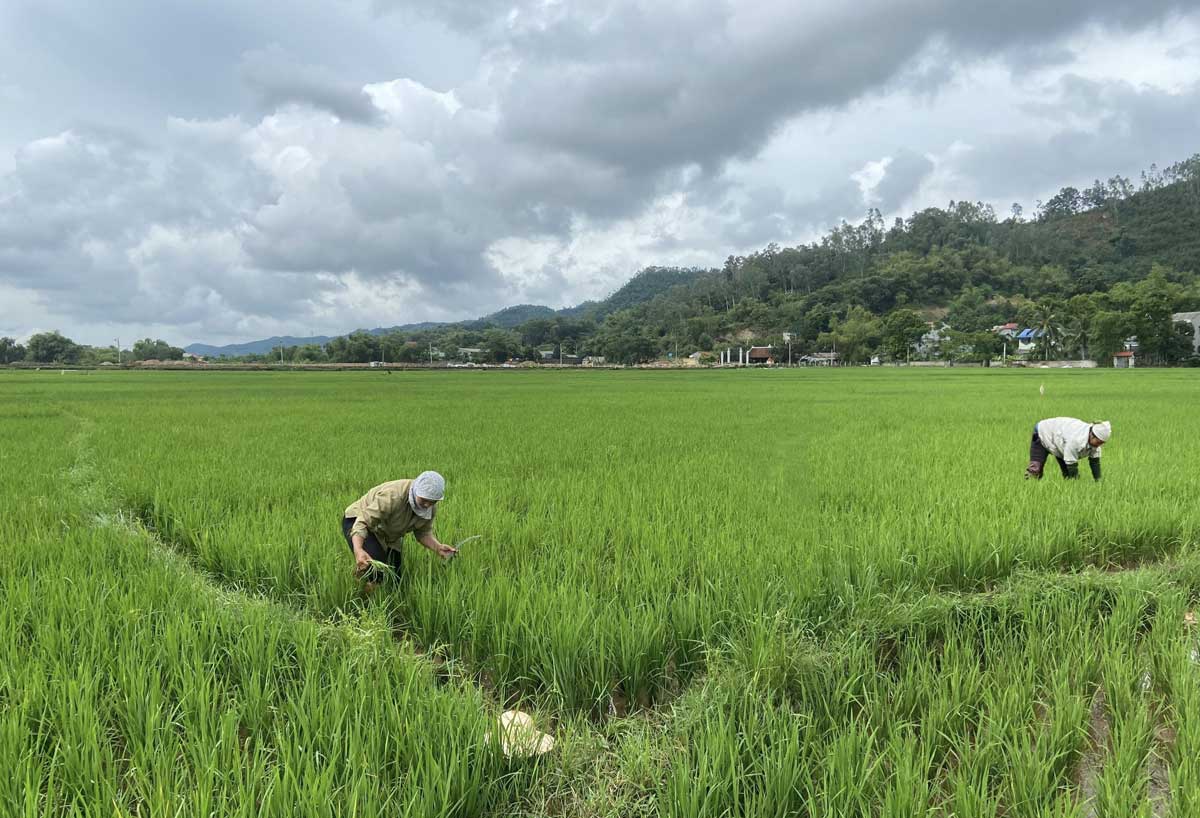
column 1192, row 318
column 931, row 341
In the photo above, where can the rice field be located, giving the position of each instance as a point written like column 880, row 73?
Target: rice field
column 747, row 593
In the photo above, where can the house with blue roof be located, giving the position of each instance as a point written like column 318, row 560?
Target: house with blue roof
column 1027, row 340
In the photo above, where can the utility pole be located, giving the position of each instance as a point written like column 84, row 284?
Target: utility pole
column 281, row 352
column 431, row 353
column 118, row 340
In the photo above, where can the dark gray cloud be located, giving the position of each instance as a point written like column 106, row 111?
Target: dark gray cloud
column 755, row 216
column 136, row 62
column 474, row 16
column 103, row 225
column 643, row 86
column 763, row 215
column 769, row 213
column 904, row 175
column 1124, row 128
column 277, row 79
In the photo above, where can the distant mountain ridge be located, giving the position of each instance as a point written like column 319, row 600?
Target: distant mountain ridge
column 506, row 318
column 266, row 345
column 642, row 287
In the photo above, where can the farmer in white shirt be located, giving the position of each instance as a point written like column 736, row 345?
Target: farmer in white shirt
column 1069, row 440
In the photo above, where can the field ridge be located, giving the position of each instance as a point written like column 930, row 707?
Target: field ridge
column 97, row 506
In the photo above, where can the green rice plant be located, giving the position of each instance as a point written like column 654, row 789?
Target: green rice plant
column 823, row 606
column 971, row 788
column 911, row 767
column 169, row 695
column 1123, row 784
column 849, row 785
column 1184, row 781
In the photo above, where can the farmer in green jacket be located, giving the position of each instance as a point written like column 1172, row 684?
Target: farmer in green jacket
column 374, row 525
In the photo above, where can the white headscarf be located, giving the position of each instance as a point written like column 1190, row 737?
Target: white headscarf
column 429, row 485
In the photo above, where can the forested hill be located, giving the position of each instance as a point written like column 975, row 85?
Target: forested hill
column 646, row 285
column 1081, row 254
column 1079, row 242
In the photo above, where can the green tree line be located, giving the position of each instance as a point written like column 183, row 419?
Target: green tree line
column 55, row 348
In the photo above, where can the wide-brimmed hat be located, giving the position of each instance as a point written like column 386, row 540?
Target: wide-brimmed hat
column 520, row 737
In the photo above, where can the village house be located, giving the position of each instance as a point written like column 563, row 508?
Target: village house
column 1027, row 339
column 761, row 355
column 1192, row 318
column 820, row 359
column 1124, row 360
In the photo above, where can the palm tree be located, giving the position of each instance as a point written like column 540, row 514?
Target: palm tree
column 1076, row 335
column 1049, row 326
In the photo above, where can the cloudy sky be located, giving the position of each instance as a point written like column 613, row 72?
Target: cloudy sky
column 225, row 171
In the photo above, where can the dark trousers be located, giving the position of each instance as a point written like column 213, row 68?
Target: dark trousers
column 391, row 557
column 1039, row 454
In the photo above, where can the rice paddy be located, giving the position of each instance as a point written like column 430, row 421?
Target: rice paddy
column 748, row 593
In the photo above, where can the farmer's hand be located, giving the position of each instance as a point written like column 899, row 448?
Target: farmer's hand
column 362, row 561
column 445, row 551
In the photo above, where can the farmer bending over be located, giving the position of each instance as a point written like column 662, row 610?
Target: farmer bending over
column 376, row 523
column 1069, row 440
